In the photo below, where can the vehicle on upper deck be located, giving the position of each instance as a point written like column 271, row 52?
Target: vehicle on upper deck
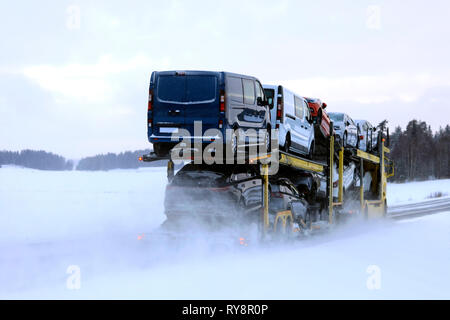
column 345, row 129
column 321, row 125
column 291, row 115
column 219, row 100
column 320, row 116
column 367, row 135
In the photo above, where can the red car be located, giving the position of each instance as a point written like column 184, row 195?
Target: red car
column 319, row 115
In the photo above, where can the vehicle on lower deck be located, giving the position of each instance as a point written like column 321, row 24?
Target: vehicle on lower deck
column 224, row 194
column 349, row 181
column 216, row 100
column 307, row 183
column 291, row 115
column 213, row 192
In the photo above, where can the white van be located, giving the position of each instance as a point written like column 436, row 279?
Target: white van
column 290, row 114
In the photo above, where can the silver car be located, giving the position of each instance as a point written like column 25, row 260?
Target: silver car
column 345, row 128
column 367, row 135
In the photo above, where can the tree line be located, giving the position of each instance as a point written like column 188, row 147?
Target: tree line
column 123, row 160
column 48, row 161
column 420, row 154
column 417, row 152
column 40, row 160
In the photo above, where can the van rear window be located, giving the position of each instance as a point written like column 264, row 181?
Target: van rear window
column 190, row 88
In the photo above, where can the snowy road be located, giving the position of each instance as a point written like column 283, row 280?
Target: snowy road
column 50, row 221
column 418, row 209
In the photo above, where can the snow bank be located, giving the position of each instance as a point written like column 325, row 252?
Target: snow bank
column 42, row 205
column 400, row 193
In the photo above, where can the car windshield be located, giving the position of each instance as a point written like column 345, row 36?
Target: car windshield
column 336, row 116
column 190, row 88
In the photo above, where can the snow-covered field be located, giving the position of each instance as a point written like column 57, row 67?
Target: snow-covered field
column 50, row 221
column 400, row 193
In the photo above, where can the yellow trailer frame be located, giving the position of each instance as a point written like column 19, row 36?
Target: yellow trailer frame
column 377, row 168
column 376, row 165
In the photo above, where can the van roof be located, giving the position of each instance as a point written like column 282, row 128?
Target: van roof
column 271, row 86
column 203, row 72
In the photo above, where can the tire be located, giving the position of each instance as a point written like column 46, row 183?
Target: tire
column 289, row 230
column 319, row 118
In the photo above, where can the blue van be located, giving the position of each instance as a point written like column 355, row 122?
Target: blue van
column 292, row 117
column 221, row 100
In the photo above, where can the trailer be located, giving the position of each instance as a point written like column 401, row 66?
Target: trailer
column 372, row 199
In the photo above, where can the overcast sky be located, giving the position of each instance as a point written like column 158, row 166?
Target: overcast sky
column 74, row 74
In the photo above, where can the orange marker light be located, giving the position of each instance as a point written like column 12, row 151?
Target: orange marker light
column 242, row 242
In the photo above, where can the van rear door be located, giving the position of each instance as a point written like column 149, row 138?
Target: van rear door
column 202, row 101
column 168, row 108
column 185, row 97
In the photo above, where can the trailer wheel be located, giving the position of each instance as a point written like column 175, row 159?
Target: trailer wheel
column 319, row 117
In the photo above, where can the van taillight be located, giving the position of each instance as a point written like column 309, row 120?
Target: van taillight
column 280, row 107
column 222, row 101
column 220, row 124
column 150, row 122
column 150, row 100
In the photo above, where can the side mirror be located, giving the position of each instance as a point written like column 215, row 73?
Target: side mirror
column 261, row 102
column 270, row 102
column 324, row 105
